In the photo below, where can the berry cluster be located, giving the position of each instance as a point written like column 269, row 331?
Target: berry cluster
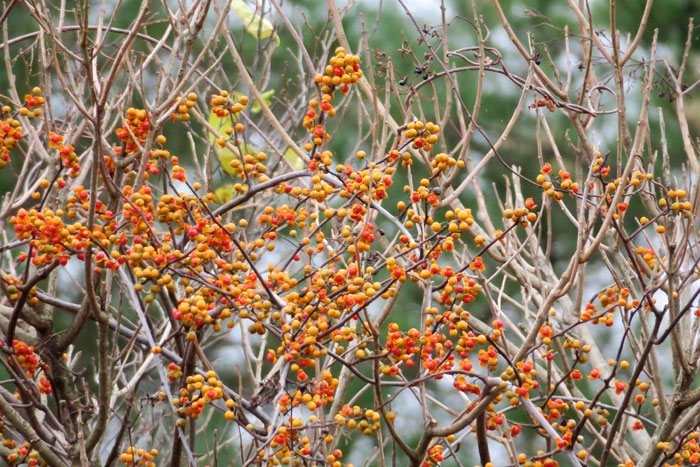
column 32, row 104
column 196, row 394
column 313, row 394
column 341, row 71
column 225, row 104
column 522, row 216
column 51, row 239
column 22, row 455
column 134, row 132
column 369, row 420
column 369, row 180
column 182, row 112
column 133, row 457
column 29, row 362
column 423, row 136
column 69, row 158
column 549, row 184
column 10, row 134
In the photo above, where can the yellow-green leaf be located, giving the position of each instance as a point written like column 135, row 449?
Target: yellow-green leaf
column 252, row 22
column 296, row 161
column 225, row 154
column 224, row 194
column 256, row 107
column 219, row 124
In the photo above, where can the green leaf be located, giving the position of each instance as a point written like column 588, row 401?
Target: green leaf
column 225, row 154
column 256, row 107
column 296, row 161
column 219, row 124
column 252, row 22
column 224, row 194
